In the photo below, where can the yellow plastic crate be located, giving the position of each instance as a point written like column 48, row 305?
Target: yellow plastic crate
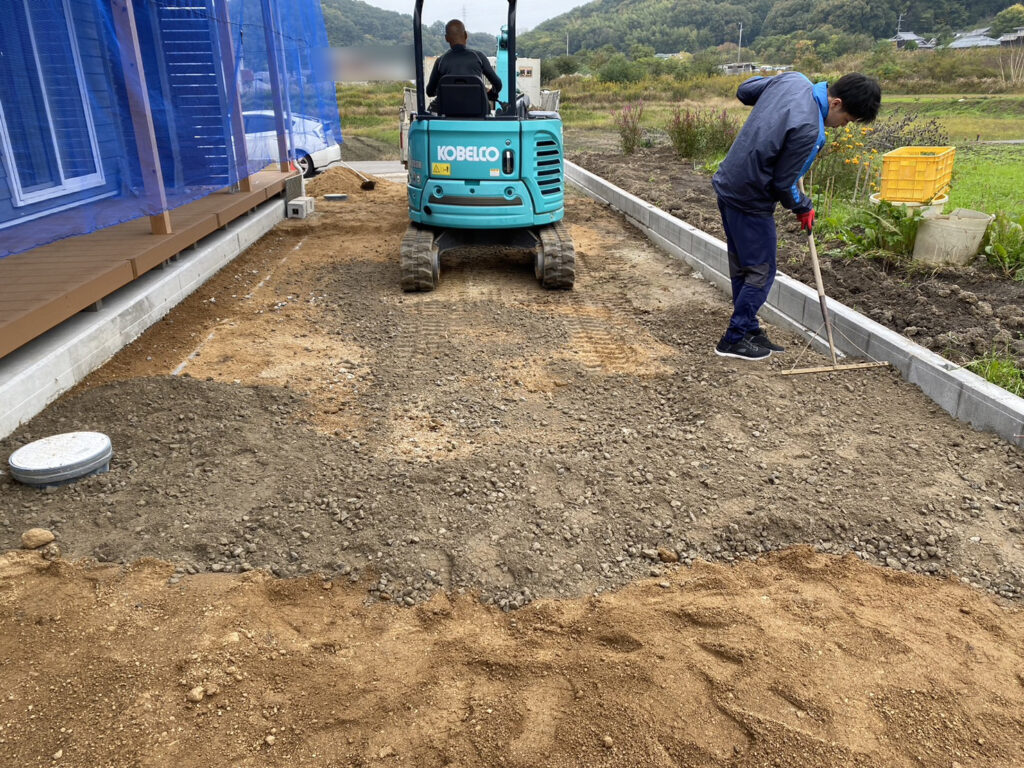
column 916, row 174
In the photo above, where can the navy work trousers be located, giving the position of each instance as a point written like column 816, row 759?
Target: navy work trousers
column 753, row 244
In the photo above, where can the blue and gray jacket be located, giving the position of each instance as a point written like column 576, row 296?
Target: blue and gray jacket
column 776, row 145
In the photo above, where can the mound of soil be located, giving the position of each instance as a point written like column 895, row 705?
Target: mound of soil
column 962, row 314
column 799, row 660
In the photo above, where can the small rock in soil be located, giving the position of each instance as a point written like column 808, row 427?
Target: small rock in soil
column 34, row 538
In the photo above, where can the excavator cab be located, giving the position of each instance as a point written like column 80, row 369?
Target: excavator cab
column 483, row 176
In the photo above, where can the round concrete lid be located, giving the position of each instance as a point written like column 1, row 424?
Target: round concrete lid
column 60, row 457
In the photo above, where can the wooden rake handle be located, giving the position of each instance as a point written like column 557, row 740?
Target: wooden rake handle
column 820, row 285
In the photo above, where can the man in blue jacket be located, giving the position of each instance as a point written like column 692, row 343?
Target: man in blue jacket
column 772, row 152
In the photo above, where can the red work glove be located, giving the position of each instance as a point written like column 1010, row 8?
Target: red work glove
column 806, row 220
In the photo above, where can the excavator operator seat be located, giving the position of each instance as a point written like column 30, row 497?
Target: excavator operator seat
column 462, row 96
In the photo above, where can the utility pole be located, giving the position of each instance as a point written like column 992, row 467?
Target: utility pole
column 739, row 47
column 899, row 24
column 566, row 42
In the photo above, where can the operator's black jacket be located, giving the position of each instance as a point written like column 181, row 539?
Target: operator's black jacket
column 464, row 61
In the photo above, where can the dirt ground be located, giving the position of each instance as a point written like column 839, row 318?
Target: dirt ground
column 797, row 661
column 428, row 463
column 961, row 313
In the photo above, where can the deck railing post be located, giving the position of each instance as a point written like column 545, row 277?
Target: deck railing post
column 273, row 67
column 227, row 57
column 142, row 116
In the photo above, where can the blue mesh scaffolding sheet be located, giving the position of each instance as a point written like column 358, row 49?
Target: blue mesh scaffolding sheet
column 112, row 110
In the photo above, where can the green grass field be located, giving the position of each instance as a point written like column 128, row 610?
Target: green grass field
column 987, row 177
column 966, row 117
column 370, row 110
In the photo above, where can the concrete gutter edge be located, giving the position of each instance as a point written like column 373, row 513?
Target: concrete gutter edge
column 793, row 305
column 37, row 373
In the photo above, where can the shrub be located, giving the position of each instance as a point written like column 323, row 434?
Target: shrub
column 1005, row 245
column 699, row 134
column 618, row 69
column 627, row 121
column 883, row 231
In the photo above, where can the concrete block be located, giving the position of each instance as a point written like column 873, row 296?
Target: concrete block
column 664, row 225
column 986, row 406
column 942, row 387
column 851, row 337
column 885, row 344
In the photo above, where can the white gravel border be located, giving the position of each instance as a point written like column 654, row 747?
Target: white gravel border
column 792, row 304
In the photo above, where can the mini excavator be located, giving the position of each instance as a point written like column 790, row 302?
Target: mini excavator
column 483, row 175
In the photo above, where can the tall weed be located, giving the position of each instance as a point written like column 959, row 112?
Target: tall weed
column 1005, row 245
column 700, row 134
column 627, row 122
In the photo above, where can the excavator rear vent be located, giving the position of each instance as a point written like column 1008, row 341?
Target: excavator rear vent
column 549, row 167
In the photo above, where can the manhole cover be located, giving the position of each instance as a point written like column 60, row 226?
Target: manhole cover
column 61, row 459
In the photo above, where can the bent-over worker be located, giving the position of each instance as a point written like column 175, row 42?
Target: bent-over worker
column 772, row 152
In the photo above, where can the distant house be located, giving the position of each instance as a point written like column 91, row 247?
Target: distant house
column 973, row 41
column 739, row 68
column 902, row 39
column 1015, row 38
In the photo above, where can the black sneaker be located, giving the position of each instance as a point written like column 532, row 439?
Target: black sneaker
column 744, row 349
column 761, row 339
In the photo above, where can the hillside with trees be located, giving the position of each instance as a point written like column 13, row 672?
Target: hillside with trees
column 355, row 23
column 671, row 26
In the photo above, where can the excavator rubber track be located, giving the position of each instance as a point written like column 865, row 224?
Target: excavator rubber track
column 421, row 264
column 555, row 263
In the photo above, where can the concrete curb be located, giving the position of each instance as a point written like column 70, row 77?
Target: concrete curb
column 36, row 374
column 793, row 305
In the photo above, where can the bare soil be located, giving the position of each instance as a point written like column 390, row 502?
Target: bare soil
column 962, row 313
column 427, row 463
column 799, row 660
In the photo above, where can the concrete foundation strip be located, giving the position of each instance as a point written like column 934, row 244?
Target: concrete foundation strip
column 793, row 305
column 36, row 374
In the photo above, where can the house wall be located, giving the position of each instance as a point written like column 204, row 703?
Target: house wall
column 95, row 54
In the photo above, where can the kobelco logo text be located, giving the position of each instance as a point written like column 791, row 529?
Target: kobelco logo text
column 473, row 154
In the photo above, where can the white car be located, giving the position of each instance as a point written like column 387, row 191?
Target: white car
column 313, row 143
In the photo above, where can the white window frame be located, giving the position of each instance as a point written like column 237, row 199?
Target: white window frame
column 66, row 186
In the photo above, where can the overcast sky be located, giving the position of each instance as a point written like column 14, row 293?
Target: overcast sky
column 483, row 15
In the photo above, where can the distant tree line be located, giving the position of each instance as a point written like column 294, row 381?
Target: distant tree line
column 671, row 26
column 355, row 23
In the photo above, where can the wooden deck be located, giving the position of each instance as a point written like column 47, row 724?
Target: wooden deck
column 42, row 288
